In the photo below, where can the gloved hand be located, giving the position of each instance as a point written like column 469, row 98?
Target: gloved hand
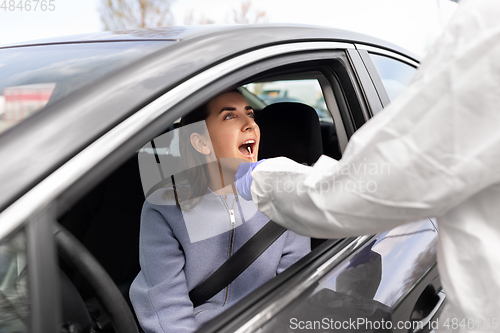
column 244, row 178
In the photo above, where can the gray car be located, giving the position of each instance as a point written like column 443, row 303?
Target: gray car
column 75, row 115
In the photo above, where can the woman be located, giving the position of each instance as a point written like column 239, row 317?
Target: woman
column 187, row 234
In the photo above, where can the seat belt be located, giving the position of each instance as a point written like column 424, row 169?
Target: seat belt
column 235, row 265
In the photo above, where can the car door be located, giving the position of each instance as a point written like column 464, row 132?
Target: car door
column 391, row 73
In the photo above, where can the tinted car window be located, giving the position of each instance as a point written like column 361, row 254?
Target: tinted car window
column 36, row 76
column 14, row 295
column 395, row 74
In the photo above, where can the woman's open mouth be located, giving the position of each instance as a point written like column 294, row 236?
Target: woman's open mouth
column 248, row 148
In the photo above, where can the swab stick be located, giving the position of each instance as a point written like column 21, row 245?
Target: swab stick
column 250, row 151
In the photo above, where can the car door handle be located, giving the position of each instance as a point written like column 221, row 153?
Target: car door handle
column 425, row 321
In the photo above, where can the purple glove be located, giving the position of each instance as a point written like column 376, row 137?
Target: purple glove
column 244, row 178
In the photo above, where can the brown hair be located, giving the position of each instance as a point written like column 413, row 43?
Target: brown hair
column 191, row 185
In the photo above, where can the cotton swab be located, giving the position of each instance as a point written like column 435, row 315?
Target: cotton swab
column 250, row 151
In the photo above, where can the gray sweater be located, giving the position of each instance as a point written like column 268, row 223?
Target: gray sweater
column 180, row 249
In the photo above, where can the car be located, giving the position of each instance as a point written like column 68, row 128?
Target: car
column 77, row 114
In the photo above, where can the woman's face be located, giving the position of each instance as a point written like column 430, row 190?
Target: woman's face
column 232, row 128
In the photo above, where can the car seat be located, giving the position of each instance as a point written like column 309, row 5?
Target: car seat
column 291, row 130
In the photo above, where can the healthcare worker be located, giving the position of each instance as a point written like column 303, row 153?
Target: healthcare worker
column 434, row 152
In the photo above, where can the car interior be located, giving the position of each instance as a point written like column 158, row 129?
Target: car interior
column 106, row 220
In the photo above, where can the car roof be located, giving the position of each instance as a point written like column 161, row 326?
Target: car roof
column 180, row 33
column 168, row 33
column 32, row 149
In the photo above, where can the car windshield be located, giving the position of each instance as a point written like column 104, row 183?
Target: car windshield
column 33, row 77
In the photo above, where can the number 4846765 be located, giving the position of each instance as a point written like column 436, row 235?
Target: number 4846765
column 28, row 5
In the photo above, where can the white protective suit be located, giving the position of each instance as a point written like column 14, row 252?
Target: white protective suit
column 434, row 152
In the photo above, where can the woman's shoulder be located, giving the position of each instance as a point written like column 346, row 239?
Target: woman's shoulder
column 163, row 201
column 160, row 210
column 162, row 197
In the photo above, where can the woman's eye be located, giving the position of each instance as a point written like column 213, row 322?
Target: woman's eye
column 229, row 116
column 251, row 114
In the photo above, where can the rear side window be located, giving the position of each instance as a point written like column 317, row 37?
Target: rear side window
column 395, row 75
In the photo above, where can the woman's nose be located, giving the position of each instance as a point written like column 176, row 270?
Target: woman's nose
column 250, row 124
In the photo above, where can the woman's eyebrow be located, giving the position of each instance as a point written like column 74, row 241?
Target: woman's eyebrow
column 229, row 108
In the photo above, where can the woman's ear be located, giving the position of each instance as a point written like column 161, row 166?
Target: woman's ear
column 200, row 143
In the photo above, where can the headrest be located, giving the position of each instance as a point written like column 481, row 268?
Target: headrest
column 291, row 130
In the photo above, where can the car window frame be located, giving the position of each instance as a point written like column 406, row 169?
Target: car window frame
column 43, row 270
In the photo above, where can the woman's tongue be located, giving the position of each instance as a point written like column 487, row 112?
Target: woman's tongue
column 245, row 149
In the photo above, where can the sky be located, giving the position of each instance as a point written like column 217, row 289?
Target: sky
column 412, row 24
